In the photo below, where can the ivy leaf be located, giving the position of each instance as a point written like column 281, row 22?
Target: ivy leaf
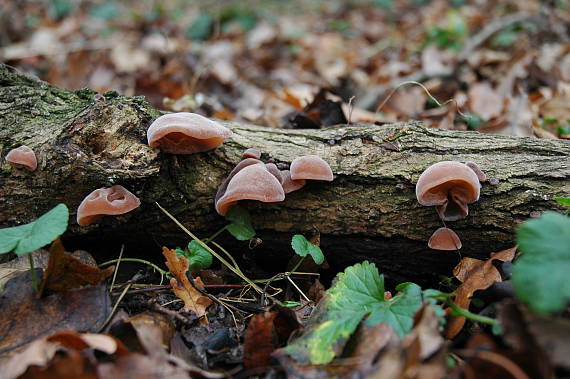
column 358, row 292
column 240, row 223
column 302, row 247
column 540, row 275
column 198, row 257
column 26, row 238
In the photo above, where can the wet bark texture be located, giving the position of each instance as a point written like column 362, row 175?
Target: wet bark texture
column 368, row 212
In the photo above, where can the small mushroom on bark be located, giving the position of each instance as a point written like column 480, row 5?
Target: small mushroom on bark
column 251, row 153
column 22, row 157
column 115, row 200
column 480, row 174
column 272, row 168
column 449, row 186
column 241, row 165
column 290, row 185
column 253, row 182
column 311, row 167
column 186, row 133
column 444, row 239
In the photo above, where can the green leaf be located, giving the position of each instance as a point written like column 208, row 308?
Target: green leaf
column 198, row 257
column 302, row 247
column 26, row 238
column 540, row 275
column 358, row 292
column 201, row 28
column 563, row 200
column 240, row 223
column 399, row 311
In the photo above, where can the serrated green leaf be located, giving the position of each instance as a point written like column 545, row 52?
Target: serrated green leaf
column 540, row 275
column 240, row 223
column 399, row 311
column 302, row 247
column 26, row 238
column 563, row 200
column 359, row 291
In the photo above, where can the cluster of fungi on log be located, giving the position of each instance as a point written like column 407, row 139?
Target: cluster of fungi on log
column 449, row 186
column 251, row 179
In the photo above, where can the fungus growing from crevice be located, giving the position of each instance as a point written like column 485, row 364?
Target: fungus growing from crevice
column 480, row 174
column 290, row 185
column 311, row 167
column 253, row 182
column 251, row 153
column 22, row 157
column 444, row 239
column 186, row 133
column 449, row 186
column 115, row 200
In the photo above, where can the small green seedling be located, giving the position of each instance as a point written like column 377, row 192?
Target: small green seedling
column 198, row 257
column 24, row 239
column 302, row 247
column 240, row 227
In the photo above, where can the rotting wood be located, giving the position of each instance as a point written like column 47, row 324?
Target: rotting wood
column 368, row 212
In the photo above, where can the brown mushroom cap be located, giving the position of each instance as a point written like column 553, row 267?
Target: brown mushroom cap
column 310, row 167
column 444, row 239
column 251, row 153
column 186, row 133
column 290, row 185
column 450, row 186
column 253, row 182
column 22, row 157
column 115, row 200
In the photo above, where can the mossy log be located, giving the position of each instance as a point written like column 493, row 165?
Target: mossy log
column 369, row 211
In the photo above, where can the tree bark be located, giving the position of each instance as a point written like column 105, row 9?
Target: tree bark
column 368, row 212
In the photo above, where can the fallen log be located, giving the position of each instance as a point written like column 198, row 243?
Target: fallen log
column 84, row 141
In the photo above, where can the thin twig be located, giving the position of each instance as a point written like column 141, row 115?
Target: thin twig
column 117, row 266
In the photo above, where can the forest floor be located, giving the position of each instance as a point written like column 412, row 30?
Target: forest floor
column 494, row 67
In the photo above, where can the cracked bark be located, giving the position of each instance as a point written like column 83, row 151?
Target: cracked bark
column 368, row 212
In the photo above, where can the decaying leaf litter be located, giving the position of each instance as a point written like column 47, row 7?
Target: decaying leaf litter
column 496, row 68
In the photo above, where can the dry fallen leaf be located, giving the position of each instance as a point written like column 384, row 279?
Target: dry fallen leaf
column 82, row 309
column 65, row 272
column 259, row 342
column 193, row 300
column 475, row 275
column 484, row 101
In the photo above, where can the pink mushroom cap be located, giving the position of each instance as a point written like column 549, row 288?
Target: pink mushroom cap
column 253, row 182
column 22, row 157
column 115, row 200
column 450, row 186
column 310, row 167
column 444, row 239
column 186, row 133
column 251, row 153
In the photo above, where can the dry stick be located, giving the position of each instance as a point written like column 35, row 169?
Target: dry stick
column 426, row 91
column 228, row 265
column 488, row 31
column 115, row 307
column 350, row 108
column 117, row 267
